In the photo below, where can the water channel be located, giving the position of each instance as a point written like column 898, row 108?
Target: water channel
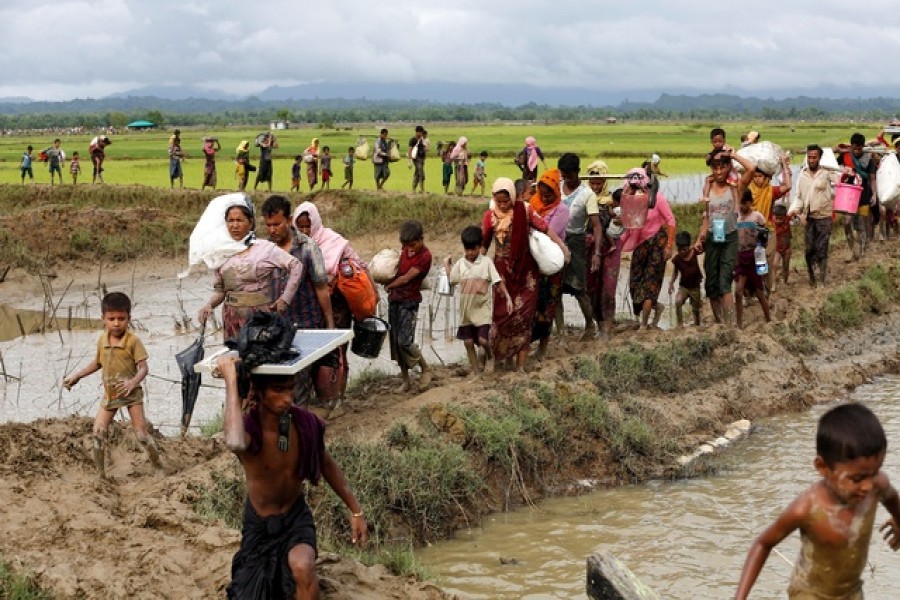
column 686, row 539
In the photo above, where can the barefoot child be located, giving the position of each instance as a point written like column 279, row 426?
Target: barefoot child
column 123, row 359
column 75, row 167
column 295, row 173
column 478, row 180
column 477, row 276
column 279, row 445
column 686, row 264
column 404, row 296
column 782, row 257
column 835, row 515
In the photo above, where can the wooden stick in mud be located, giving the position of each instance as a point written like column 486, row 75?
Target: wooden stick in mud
column 21, row 326
column 3, row 273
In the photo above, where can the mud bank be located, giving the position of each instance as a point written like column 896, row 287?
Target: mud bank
column 607, row 413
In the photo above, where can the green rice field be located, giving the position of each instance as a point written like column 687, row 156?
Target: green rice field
column 140, row 158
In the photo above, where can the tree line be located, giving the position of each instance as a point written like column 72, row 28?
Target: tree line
column 117, row 112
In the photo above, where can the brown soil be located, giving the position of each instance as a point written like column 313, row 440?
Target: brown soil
column 137, row 536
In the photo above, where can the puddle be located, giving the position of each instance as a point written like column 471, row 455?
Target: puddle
column 18, row 322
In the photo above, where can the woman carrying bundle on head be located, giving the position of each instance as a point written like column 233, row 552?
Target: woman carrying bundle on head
column 651, row 246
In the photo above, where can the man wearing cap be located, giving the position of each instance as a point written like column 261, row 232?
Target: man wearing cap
column 759, row 182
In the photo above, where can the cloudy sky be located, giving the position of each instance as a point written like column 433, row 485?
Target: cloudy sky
column 63, row 49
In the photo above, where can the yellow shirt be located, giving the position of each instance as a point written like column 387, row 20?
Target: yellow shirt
column 120, row 362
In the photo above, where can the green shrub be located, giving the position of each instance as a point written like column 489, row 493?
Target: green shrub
column 19, row 586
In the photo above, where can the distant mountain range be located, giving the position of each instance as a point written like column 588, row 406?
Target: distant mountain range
column 511, row 95
column 194, row 100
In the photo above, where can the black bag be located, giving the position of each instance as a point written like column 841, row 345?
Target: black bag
column 266, row 337
column 521, row 159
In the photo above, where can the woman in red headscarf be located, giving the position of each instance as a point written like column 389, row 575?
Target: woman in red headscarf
column 547, row 203
column 508, row 223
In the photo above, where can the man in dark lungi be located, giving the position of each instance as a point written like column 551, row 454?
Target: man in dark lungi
column 279, row 445
column 814, row 205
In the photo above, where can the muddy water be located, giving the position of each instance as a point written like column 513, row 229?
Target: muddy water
column 37, row 363
column 686, row 539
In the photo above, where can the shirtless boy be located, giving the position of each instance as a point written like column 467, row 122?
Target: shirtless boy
column 279, row 445
column 835, row 516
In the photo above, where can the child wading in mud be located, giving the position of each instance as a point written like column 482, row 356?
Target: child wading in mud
column 123, row 359
column 279, row 445
column 835, row 516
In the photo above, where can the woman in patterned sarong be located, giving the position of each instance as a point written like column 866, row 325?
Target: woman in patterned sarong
column 508, row 223
column 651, row 247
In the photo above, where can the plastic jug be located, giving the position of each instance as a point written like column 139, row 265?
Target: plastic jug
column 759, row 257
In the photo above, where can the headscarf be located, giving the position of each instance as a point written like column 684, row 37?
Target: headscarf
column 531, row 153
column 459, row 147
column 330, row 242
column 502, row 221
column 594, row 170
column 550, row 178
column 210, row 242
column 637, row 175
column 512, row 224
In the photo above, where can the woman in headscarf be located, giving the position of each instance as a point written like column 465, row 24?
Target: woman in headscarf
column 311, row 158
column 242, row 164
column 651, row 247
column 533, row 156
column 210, row 147
column 243, row 265
column 335, row 249
column 603, row 273
column 508, row 223
column 548, row 205
column 460, row 157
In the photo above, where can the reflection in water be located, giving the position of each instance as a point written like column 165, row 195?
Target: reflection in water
column 686, row 539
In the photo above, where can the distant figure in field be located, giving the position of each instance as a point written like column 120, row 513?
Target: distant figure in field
column 460, row 157
column 447, row 165
column 55, row 158
column 418, row 148
column 264, row 172
column 380, row 159
column 480, row 174
column 210, row 147
column 75, row 167
column 176, row 157
column 25, row 165
column 311, row 158
column 97, row 151
column 528, row 158
column 326, row 168
column 349, row 161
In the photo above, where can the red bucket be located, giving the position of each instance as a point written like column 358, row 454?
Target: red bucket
column 846, row 197
column 634, row 210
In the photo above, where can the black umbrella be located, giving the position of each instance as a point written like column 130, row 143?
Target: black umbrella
column 190, row 380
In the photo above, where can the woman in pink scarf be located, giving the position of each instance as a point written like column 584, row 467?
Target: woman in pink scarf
column 533, row 155
column 650, row 247
column 335, row 249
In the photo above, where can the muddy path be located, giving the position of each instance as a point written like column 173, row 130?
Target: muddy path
column 138, row 536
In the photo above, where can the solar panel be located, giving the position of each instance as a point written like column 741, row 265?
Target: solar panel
column 312, row 344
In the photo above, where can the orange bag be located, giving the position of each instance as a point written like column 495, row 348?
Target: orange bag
column 357, row 288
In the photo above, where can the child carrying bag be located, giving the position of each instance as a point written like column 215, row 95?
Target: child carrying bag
column 354, row 283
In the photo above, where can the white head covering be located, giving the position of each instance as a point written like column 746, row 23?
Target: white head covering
column 210, row 241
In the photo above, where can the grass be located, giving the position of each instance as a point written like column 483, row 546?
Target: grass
column 214, row 425
column 849, row 305
column 141, row 157
column 19, row 585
